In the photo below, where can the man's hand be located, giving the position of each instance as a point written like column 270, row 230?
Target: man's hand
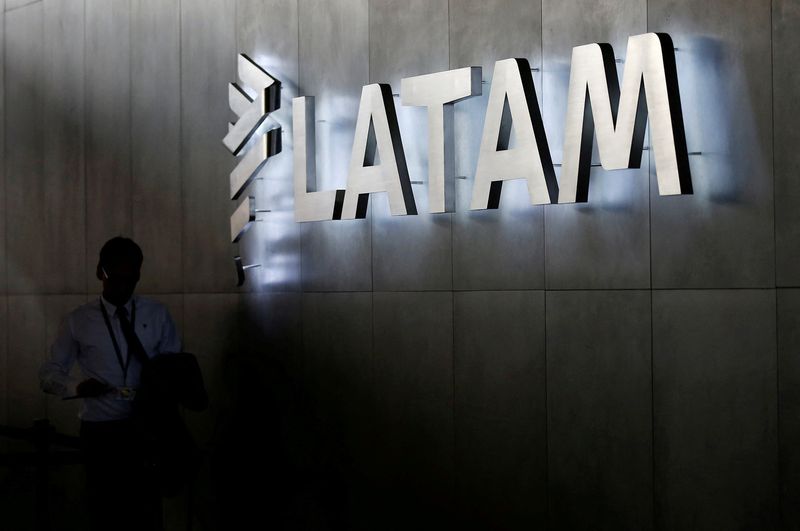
column 91, row 387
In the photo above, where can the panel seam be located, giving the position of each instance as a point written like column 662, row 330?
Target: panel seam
column 181, row 165
column 544, row 291
column 775, row 270
column 131, row 180
column 654, row 497
column 5, row 215
column 300, row 230
column 455, row 484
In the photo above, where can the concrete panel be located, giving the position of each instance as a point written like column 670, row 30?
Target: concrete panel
column 599, row 399
column 789, row 404
column 229, row 331
column 484, row 32
column 213, row 331
column 722, row 236
column 414, row 252
column 413, row 453
column 497, row 249
column 108, row 126
column 62, row 414
column 786, row 112
column 715, row 409
column 337, row 358
column 413, row 39
column 411, row 252
column 24, row 186
column 337, row 256
column 241, row 342
column 45, row 165
column 273, row 330
column 64, row 215
column 155, row 141
column 500, row 409
column 267, row 32
column 284, row 443
column 208, row 64
column 27, row 316
column 274, row 241
column 604, row 243
column 493, row 249
column 334, row 65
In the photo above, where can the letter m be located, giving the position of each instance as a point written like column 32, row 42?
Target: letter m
column 596, row 104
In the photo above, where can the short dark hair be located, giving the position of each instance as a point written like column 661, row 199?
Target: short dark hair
column 120, row 250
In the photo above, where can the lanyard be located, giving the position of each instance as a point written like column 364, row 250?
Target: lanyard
column 123, row 364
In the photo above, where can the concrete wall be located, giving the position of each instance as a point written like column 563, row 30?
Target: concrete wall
column 629, row 363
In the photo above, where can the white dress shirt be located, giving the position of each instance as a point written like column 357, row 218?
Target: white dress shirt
column 84, row 337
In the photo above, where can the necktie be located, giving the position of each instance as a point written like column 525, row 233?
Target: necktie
column 135, row 347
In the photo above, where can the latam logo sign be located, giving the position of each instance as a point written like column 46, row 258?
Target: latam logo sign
column 243, row 138
column 598, row 107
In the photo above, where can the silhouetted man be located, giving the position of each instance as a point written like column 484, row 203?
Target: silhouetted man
column 110, row 338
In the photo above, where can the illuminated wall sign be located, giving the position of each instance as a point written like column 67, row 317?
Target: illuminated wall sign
column 596, row 105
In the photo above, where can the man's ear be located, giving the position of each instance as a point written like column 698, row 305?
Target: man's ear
column 99, row 272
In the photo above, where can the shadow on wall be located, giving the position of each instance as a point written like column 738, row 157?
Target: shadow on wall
column 291, row 441
column 267, row 461
column 294, row 445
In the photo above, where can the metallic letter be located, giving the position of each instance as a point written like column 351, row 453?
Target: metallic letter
column 619, row 118
column 309, row 204
column 377, row 133
column 251, row 112
column 438, row 92
column 242, row 218
column 513, row 99
column 267, row 145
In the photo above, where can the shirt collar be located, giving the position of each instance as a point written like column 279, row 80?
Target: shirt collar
column 112, row 310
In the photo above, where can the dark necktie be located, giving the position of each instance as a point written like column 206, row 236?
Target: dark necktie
column 135, row 347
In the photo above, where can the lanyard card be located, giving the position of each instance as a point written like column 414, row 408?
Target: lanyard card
column 125, row 393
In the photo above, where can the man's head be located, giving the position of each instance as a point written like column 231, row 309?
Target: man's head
column 118, row 268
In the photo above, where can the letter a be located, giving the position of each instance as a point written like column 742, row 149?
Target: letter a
column 512, row 99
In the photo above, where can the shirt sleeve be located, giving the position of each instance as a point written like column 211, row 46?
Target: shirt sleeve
column 54, row 375
column 170, row 339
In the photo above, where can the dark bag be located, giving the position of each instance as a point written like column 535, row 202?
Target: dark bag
column 169, row 382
